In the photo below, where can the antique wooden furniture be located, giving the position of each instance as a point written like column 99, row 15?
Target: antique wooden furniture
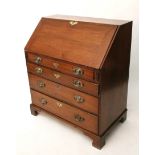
column 78, row 71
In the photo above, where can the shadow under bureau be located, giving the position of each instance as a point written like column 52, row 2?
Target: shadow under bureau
column 78, row 71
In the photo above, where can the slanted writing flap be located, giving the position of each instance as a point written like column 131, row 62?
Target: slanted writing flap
column 78, row 42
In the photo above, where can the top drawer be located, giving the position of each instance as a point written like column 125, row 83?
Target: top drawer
column 69, row 68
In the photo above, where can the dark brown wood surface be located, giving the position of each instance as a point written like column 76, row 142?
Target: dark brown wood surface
column 63, row 93
column 64, row 67
column 98, row 141
column 101, row 49
column 84, row 43
column 87, row 87
column 114, row 79
column 66, row 111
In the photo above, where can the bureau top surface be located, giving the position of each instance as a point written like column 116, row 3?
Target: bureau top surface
column 89, row 19
column 85, row 42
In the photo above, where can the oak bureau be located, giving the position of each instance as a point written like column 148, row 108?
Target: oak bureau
column 78, row 71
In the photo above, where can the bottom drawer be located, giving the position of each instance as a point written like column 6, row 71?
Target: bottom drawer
column 65, row 111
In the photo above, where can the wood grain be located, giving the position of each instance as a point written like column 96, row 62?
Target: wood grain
column 85, row 43
column 88, row 87
column 62, row 66
column 66, row 111
column 63, row 93
column 101, row 49
column 114, row 79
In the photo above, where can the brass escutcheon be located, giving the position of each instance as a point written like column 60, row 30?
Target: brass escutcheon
column 55, row 65
column 59, row 104
column 56, row 75
column 72, row 23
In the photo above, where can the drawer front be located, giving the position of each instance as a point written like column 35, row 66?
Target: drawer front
column 78, row 71
column 73, row 97
column 82, row 85
column 65, row 111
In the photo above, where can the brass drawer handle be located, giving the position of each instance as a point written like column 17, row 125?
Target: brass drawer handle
column 78, row 84
column 79, row 99
column 42, row 84
column 72, row 23
column 43, row 101
column 38, row 60
column 56, row 75
column 39, row 70
column 78, row 71
column 78, row 118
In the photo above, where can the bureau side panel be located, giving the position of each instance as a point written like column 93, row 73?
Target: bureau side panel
column 114, row 78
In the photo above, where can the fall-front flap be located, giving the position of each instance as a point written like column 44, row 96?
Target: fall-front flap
column 79, row 42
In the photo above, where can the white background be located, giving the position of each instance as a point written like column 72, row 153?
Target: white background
column 45, row 135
